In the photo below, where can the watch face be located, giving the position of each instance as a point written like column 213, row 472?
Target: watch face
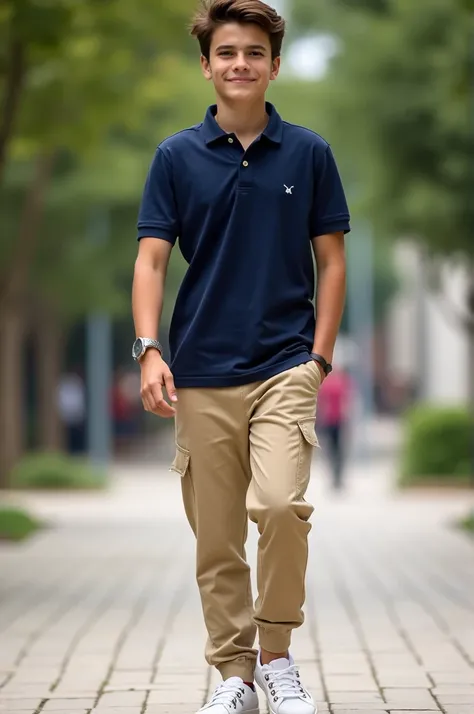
column 137, row 348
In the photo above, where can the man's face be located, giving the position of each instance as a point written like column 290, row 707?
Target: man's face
column 240, row 65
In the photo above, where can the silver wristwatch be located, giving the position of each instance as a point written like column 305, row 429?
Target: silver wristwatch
column 142, row 344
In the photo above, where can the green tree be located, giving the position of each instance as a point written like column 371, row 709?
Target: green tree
column 304, row 102
column 86, row 75
column 397, row 96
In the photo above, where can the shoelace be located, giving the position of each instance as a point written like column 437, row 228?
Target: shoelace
column 285, row 684
column 228, row 695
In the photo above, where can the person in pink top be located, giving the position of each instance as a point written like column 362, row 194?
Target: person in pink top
column 334, row 404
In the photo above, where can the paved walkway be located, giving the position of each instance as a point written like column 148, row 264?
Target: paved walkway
column 101, row 614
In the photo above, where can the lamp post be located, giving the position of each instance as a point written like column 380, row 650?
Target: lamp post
column 99, row 368
column 360, row 306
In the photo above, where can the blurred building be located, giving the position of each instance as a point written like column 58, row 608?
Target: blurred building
column 426, row 342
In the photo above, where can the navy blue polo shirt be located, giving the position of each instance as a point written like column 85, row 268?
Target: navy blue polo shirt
column 244, row 220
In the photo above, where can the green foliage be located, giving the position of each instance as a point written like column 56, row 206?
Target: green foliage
column 55, row 471
column 16, row 525
column 467, row 523
column 397, row 98
column 106, row 85
column 437, row 446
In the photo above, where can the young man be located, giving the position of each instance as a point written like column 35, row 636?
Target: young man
column 250, row 196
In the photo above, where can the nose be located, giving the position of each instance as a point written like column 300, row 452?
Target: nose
column 240, row 63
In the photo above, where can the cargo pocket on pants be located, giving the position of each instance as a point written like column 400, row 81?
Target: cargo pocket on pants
column 180, row 463
column 308, row 442
column 180, row 466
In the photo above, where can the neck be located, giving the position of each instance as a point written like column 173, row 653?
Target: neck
column 242, row 119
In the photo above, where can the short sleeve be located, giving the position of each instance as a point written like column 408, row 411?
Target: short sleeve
column 158, row 214
column 330, row 213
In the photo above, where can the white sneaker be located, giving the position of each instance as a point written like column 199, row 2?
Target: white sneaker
column 232, row 697
column 281, row 683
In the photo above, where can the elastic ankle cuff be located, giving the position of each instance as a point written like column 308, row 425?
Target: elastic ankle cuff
column 242, row 667
column 274, row 640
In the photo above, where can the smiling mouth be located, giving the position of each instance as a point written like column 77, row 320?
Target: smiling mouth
column 241, row 81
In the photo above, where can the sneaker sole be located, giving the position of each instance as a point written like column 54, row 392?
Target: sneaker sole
column 272, row 711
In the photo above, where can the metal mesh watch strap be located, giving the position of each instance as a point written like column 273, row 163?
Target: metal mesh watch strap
column 142, row 344
column 149, row 342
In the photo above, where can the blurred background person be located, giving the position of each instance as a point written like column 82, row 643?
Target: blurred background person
column 72, row 410
column 334, row 410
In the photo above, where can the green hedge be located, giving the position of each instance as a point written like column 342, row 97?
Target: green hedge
column 55, row 471
column 437, row 446
column 468, row 522
column 16, row 525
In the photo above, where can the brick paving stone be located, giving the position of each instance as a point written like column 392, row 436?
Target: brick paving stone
column 14, row 705
column 336, row 710
column 403, row 693
column 62, row 705
column 125, row 677
column 106, row 603
column 411, row 704
column 122, row 699
column 453, row 689
column 340, row 683
column 460, row 678
column 18, row 690
column 116, row 710
column 169, row 709
column 413, row 681
column 352, row 697
column 358, row 706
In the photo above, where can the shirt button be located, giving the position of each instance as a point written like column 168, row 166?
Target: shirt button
column 245, row 163
column 230, row 140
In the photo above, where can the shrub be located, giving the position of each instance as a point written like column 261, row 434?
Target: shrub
column 437, row 446
column 16, row 525
column 56, row 471
column 468, row 522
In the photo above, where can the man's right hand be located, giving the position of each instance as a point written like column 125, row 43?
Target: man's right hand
column 155, row 375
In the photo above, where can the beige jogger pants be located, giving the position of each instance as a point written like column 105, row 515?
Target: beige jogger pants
column 246, row 452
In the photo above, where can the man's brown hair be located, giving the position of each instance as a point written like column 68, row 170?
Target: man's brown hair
column 213, row 13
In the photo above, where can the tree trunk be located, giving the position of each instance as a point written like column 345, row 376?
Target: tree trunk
column 49, row 357
column 15, row 276
column 470, row 363
column 12, row 416
column 13, row 83
column 13, row 292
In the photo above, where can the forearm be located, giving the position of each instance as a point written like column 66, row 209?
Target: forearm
column 330, row 299
column 147, row 298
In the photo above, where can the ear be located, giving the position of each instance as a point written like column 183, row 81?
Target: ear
column 275, row 68
column 206, row 67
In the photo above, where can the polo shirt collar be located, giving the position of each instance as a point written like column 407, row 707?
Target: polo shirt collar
column 212, row 132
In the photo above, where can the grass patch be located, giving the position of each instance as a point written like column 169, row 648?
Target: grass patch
column 467, row 523
column 436, row 450
column 16, row 525
column 56, row 472
column 460, row 481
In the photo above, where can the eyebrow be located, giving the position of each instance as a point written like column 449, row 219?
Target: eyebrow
column 250, row 47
